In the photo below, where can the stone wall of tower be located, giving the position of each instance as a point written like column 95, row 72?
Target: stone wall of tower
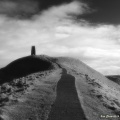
column 33, row 51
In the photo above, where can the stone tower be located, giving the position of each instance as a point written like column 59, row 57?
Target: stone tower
column 33, row 51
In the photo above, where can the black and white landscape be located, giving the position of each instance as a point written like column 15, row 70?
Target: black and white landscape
column 40, row 87
column 54, row 81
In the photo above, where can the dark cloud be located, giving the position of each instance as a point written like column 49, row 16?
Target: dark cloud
column 27, row 8
column 44, row 4
column 105, row 11
column 18, row 8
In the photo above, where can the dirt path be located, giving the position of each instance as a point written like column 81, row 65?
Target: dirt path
column 67, row 105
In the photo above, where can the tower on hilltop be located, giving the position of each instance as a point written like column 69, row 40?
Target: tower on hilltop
column 33, row 51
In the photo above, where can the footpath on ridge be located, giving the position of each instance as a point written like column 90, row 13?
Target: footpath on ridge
column 67, row 105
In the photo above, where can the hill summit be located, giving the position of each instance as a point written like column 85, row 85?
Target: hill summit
column 40, row 87
column 24, row 66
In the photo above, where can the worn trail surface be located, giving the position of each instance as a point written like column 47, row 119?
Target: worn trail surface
column 67, row 105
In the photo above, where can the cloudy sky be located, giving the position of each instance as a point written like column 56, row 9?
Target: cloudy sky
column 85, row 29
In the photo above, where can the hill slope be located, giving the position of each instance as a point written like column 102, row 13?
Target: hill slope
column 48, row 91
column 99, row 96
column 25, row 66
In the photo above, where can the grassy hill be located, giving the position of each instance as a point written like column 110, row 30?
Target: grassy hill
column 29, row 89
